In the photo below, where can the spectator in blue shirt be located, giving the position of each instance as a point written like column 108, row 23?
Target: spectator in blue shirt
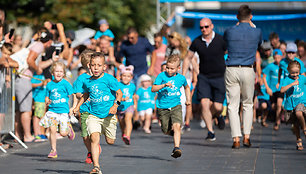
column 242, row 40
column 135, row 50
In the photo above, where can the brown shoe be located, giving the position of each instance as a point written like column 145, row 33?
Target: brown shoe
column 236, row 145
column 246, row 142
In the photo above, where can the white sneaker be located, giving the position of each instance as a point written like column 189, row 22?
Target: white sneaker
column 202, row 124
column 73, row 120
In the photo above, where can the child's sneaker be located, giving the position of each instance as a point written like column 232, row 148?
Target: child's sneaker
column 71, row 134
column 52, row 154
column 186, row 127
column 126, row 140
column 147, row 131
column 95, row 170
column 88, row 159
column 202, row 124
column 210, row 136
column 177, row 152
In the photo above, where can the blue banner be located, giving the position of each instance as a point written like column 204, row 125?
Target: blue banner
column 231, row 17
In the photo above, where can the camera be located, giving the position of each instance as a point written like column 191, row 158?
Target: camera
column 11, row 33
column 54, row 27
column 57, row 51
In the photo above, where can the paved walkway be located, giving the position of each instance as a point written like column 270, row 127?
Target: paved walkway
column 272, row 152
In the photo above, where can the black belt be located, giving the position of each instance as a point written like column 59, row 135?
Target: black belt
column 247, row 66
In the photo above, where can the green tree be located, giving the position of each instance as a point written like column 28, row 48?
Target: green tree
column 76, row 14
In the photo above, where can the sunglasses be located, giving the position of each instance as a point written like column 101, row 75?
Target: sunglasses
column 290, row 52
column 171, row 37
column 206, row 26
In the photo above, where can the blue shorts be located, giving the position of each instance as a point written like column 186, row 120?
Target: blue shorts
column 212, row 88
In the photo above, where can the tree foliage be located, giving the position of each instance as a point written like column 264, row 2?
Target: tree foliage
column 75, row 14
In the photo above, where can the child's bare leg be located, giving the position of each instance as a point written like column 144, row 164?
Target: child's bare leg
column 52, row 130
column 95, row 141
column 177, row 134
column 86, row 141
column 36, row 126
column 300, row 117
column 278, row 110
column 122, row 125
column 128, row 123
column 147, row 122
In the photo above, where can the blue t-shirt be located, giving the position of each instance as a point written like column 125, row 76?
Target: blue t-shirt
column 284, row 65
column 102, row 94
column 136, row 54
column 79, row 88
column 58, row 93
column 128, row 91
column 264, row 95
column 107, row 32
column 146, row 99
column 294, row 95
column 242, row 42
column 271, row 72
column 169, row 97
column 39, row 93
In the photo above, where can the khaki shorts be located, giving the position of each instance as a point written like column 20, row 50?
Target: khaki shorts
column 170, row 116
column 106, row 126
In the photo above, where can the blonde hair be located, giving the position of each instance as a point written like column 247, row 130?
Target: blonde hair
column 183, row 45
column 55, row 64
column 85, row 57
column 175, row 58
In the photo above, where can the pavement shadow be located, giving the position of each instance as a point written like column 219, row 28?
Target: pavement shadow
column 141, row 157
column 62, row 171
column 43, row 158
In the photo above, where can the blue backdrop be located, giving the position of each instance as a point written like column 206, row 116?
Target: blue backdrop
column 288, row 30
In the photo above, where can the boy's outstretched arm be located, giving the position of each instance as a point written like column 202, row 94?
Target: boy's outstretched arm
column 113, row 109
column 156, row 88
column 188, row 96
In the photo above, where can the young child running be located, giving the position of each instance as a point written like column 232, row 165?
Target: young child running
column 57, row 97
column 270, row 80
column 78, row 90
column 168, row 102
column 294, row 88
column 104, row 95
column 145, row 101
column 126, row 108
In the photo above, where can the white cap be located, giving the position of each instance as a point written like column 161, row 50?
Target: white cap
column 145, row 77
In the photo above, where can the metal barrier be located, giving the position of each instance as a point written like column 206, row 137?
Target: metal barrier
column 7, row 104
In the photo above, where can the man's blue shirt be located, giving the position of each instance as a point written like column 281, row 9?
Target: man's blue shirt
column 242, row 42
column 136, row 55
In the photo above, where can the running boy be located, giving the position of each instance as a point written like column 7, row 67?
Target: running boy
column 168, row 104
column 270, row 80
column 57, row 98
column 102, row 91
column 78, row 90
